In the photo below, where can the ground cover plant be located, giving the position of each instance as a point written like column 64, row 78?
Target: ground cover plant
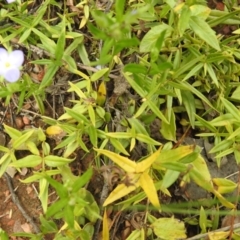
column 120, row 119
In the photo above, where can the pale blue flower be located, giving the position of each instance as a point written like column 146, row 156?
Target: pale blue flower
column 10, row 64
column 11, row 1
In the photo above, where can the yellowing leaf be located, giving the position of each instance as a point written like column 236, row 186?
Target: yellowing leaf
column 120, row 191
column 105, row 232
column 101, row 94
column 169, row 228
column 125, row 163
column 200, row 174
column 54, row 130
column 224, row 185
column 223, row 200
column 145, row 164
column 147, row 185
column 218, row 235
column 172, row 155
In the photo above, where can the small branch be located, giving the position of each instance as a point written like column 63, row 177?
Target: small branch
column 104, row 194
column 16, row 201
column 199, row 236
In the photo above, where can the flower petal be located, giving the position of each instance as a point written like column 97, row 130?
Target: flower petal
column 12, row 75
column 10, row 1
column 2, row 68
column 16, row 58
column 3, row 54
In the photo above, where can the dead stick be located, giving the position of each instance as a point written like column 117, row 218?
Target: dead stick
column 199, row 236
column 16, row 201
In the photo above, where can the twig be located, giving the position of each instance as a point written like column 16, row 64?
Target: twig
column 199, row 236
column 104, row 194
column 16, row 201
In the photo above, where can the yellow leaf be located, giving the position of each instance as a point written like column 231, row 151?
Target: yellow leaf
column 223, row 200
column 172, row 155
column 120, row 191
column 218, row 235
column 125, row 163
column 105, row 232
column 101, row 94
column 147, row 185
column 147, row 163
column 54, row 130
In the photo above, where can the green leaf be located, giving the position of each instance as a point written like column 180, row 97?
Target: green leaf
column 55, row 161
column 149, row 40
column 119, row 8
column 189, row 104
column 126, row 135
column 205, row 123
column 97, row 75
column 48, row 226
column 184, row 19
column 231, row 108
column 43, row 193
column 82, row 180
column 119, row 147
column 92, row 131
column 97, row 33
column 221, row 17
column 169, row 228
column 169, row 130
column 223, row 145
column 212, row 74
column 194, row 71
column 25, row 35
column 169, row 178
column 5, row 161
column 188, row 66
column 135, row 68
column 12, row 132
column 59, row 50
column 29, row 161
column 48, row 77
column 3, row 235
column 146, row 139
column 204, row 31
column 77, row 116
column 48, row 44
column 223, row 120
column 56, row 207
column 203, row 220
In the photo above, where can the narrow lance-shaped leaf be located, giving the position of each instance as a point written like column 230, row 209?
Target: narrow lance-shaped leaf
column 204, row 31
column 147, row 185
column 120, row 191
column 189, row 104
column 147, row 163
column 125, row 163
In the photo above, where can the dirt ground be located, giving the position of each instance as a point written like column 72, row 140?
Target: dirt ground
column 11, row 219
